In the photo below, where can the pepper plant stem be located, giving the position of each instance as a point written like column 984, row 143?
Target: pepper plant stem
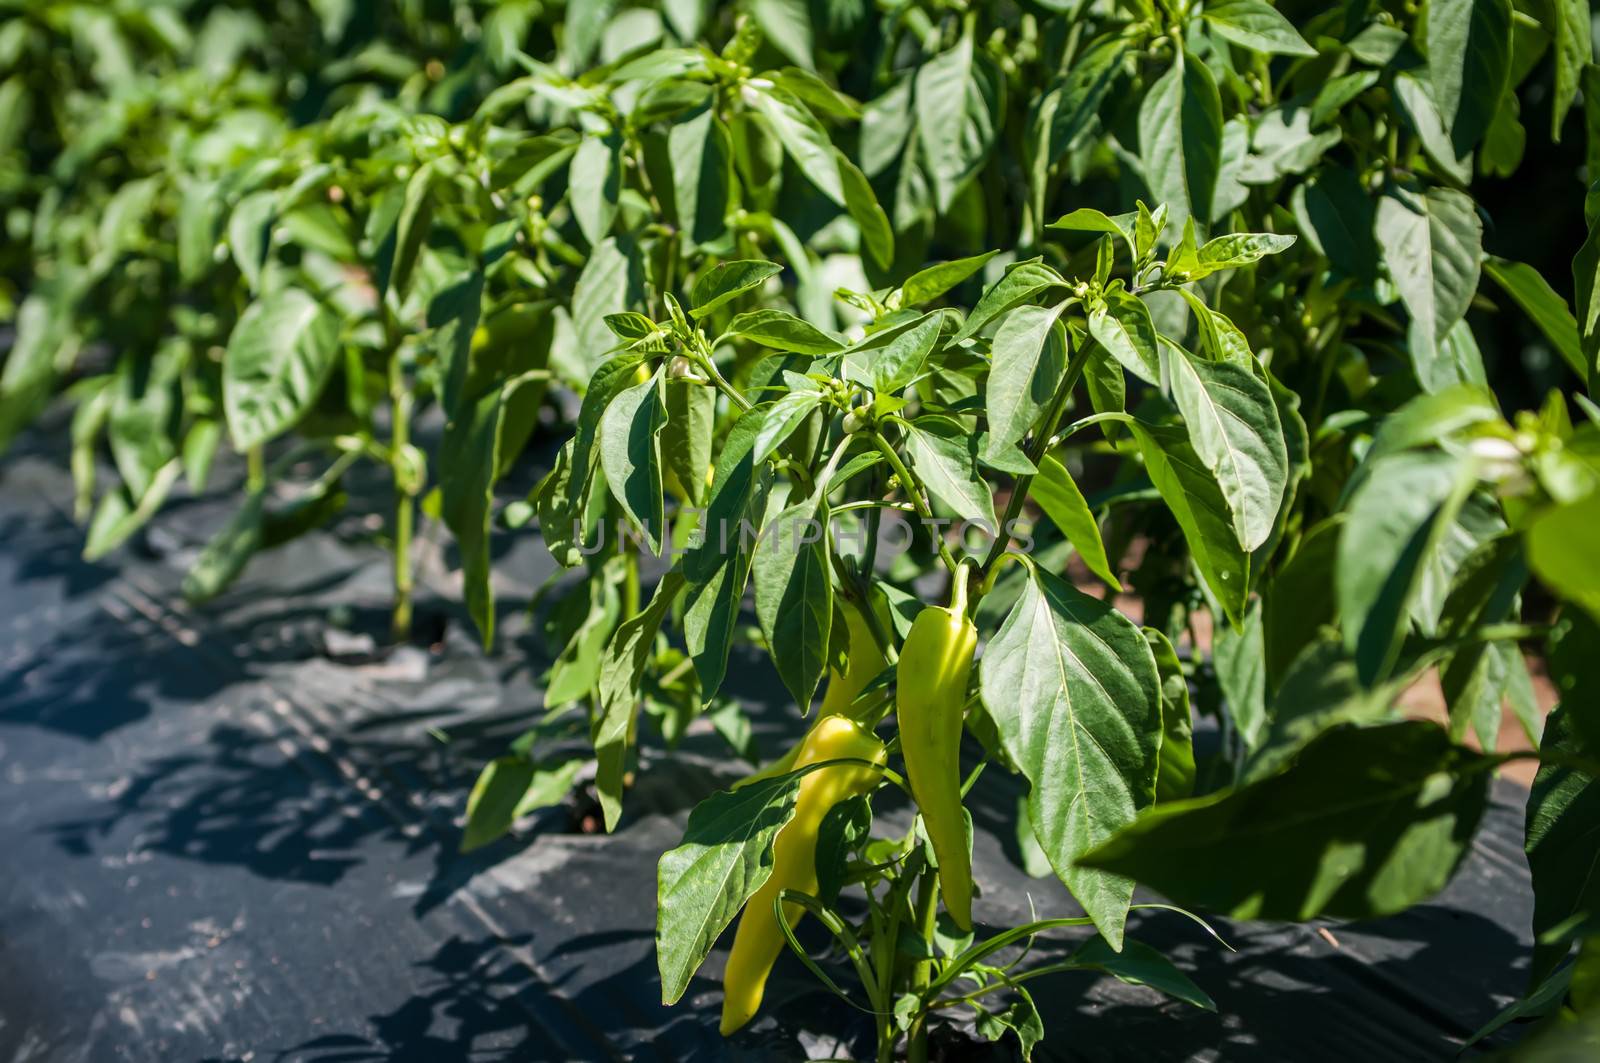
column 405, row 504
column 1036, row 452
column 915, row 492
column 922, row 974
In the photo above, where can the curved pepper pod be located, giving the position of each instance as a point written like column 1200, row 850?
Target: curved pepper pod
column 759, row 939
column 931, row 698
column 866, row 661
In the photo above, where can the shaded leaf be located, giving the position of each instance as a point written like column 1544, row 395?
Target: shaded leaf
column 1469, row 60
column 1026, row 362
column 794, row 597
column 1365, row 824
column 630, row 454
column 621, row 670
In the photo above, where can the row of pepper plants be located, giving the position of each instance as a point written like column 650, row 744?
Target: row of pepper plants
column 1185, row 299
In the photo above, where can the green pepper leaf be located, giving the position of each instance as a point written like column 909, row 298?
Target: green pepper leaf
column 724, row 858
column 1075, row 695
column 277, row 361
column 727, row 281
column 1366, row 823
column 621, row 670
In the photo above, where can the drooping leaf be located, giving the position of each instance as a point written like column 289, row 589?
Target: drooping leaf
column 492, row 804
column 630, row 453
column 786, row 24
column 608, row 381
column 794, row 597
column 1561, row 550
column 1235, row 431
column 1175, row 771
column 1057, row 494
column 1020, row 1018
column 1074, row 692
column 1139, row 964
column 713, row 612
column 732, row 488
column 1221, row 340
column 1026, row 363
column 1122, row 325
column 1239, row 655
column 1320, row 691
column 1336, row 215
column 1191, row 492
column 612, row 280
column 454, row 315
column 1432, row 246
column 1180, row 138
column 508, row 788
column 1067, row 110
column 802, row 136
column 595, row 182
column 411, row 230
column 702, row 174
column 576, row 672
column 1543, row 305
column 1300, row 599
column 724, row 858
column 1414, row 104
column 117, row 516
column 959, row 98
column 250, row 234
column 224, row 556
column 686, row 444
column 1573, row 657
column 471, row 451
column 1563, row 846
column 945, row 457
column 1586, row 300
column 1573, row 34
column 1395, row 521
column 861, row 203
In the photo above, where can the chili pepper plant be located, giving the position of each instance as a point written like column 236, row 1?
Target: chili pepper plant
column 1024, row 382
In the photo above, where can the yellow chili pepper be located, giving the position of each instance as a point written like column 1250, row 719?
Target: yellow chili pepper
column 930, row 702
column 866, row 661
column 759, row 939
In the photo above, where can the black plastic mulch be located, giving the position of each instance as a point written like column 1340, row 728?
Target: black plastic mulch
column 218, row 843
